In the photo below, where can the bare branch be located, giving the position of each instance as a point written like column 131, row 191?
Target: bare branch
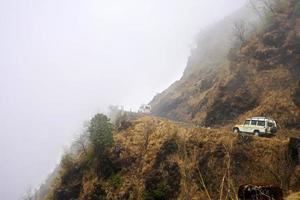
column 254, row 6
column 28, row 195
column 240, row 30
column 81, row 142
column 261, row 7
column 269, row 5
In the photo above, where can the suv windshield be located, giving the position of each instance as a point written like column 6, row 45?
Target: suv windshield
column 270, row 124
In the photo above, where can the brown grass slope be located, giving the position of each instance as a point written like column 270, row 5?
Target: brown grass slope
column 159, row 159
column 260, row 79
column 295, row 196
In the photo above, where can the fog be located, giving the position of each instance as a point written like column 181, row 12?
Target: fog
column 61, row 61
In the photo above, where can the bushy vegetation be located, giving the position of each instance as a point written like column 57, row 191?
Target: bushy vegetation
column 67, row 161
column 69, row 185
column 88, row 154
column 105, row 166
column 169, row 147
column 93, row 190
column 116, row 181
column 163, row 184
column 158, row 192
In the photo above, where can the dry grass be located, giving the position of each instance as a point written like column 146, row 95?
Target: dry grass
column 231, row 160
column 210, row 163
column 294, row 196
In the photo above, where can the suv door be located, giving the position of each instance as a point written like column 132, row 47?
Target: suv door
column 245, row 128
column 252, row 126
column 261, row 125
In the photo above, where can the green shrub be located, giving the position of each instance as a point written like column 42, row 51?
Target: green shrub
column 105, row 167
column 89, row 157
column 161, row 191
column 269, row 18
column 116, row 181
column 67, row 161
column 100, row 130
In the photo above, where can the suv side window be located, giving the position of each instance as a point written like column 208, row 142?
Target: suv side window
column 253, row 122
column 270, row 124
column 247, row 122
column 261, row 123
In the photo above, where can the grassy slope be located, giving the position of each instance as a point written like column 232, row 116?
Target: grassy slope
column 159, row 157
column 295, row 196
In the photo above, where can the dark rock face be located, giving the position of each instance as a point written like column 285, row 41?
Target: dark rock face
column 296, row 96
column 293, row 150
column 291, row 165
column 252, row 192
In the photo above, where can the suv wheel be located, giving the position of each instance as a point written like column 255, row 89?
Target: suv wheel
column 256, row 133
column 236, row 130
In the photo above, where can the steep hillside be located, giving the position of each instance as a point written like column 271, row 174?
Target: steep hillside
column 158, row 159
column 154, row 158
column 260, row 78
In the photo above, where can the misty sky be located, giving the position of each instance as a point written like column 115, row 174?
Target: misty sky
column 61, row 61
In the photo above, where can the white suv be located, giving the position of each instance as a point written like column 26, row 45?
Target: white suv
column 258, row 126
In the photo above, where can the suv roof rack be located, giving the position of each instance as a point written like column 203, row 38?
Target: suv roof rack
column 258, row 118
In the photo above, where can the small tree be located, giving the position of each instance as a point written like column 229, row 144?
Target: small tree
column 261, row 7
column 81, row 143
column 269, row 5
column 256, row 8
column 100, row 130
column 240, row 30
column 28, row 195
column 114, row 112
